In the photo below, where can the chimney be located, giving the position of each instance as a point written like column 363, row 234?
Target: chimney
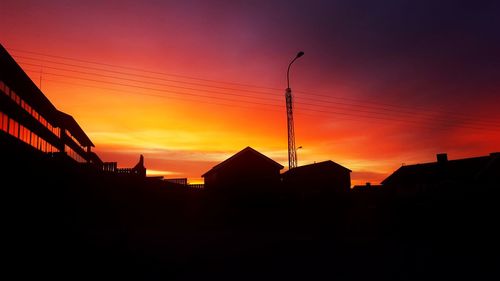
column 442, row 157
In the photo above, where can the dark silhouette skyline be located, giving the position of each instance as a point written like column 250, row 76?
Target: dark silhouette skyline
column 381, row 83
column 71, row 215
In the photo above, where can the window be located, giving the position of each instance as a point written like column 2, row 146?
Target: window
column 4, row 122
column 21, row 132
column 13, row 128
column 34, row 139
column 6, row 90
column 41, row 144
column 28, row 108
column 43, row 121
column 73, row 154
column 15, row 97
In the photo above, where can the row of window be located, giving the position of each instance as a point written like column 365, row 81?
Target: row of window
column 10, row 93
column 24, row 134
column 17, row 130
column 73, row 154
column 68, row 133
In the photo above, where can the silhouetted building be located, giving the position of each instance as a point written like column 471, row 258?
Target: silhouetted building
column 366, row 187
column 326, row 176
column 138, row 169
column 110, row 167
column 422, row 178
column 180, row 181
column 29, row 117
column 246, row 168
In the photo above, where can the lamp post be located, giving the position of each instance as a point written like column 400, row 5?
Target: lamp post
column 297, row 154
column 292, row 151
column 299, row 54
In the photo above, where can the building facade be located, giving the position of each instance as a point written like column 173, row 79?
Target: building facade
column 445, row 175
column 29, row 117
column 321, row 177
column 246, row 168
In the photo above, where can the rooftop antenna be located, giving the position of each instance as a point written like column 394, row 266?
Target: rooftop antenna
column 41, row 71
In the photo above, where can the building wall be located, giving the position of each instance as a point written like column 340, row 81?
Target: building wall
column 27, row 115
column 25, row 123
column 245, row 171
column 320, row 180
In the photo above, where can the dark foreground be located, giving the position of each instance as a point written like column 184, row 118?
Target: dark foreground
column 65, row 222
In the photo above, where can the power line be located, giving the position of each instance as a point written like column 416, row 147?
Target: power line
column 401, row 119
column 363, row 102
column 150, row 83
column 321, row 102
column 141, row 70
column 322, row 113
column 143, row 76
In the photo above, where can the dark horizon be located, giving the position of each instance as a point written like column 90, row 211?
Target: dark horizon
column 381, row 83
column 168, row 140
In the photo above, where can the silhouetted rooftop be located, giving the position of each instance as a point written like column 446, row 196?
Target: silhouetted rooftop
column 15, row 77
column 459, row 170
column 67, row 121
column 248, row 149
column 315, row 166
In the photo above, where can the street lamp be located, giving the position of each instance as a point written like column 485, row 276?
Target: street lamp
column 292, row 151
column 296, row 154
column 299, row 54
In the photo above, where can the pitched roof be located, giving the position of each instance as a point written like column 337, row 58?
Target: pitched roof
column 68, row 122
column 248, row 149
column 312, row 167
column 15, row 77
column 454, row 170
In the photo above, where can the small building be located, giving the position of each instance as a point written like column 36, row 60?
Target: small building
column 246, row 168
column 179, row 181
column 366, row 187
column 326, row 176
column 137, row 170
column 429, row 177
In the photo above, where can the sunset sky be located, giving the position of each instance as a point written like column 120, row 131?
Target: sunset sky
column 189, row 83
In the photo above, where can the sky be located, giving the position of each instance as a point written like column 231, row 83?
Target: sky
column 189, row 83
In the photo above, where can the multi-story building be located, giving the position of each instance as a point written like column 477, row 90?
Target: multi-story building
column 29, row 117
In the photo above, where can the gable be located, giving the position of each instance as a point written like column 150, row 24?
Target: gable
column 325, row 167
column 246, row 157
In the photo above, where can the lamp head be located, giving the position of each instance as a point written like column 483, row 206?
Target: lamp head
column 299, row 54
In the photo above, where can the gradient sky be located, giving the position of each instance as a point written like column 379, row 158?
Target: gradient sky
column 382, row 82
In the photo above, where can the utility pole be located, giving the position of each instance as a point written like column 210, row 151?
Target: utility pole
column 292, row 151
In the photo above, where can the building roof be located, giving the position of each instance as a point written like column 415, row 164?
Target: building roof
column 68, row 122
column 15, row 77
column 235, row 157
column 447, row 170
column 311, row 168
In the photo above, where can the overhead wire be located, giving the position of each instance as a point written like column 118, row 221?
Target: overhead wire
column 317, row 104
column 371, row 116
column 309, row 93
column 339, row 106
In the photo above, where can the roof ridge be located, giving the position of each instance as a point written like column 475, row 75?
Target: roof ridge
column 248, row 148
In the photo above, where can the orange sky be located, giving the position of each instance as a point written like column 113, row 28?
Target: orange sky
column 369, row 109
